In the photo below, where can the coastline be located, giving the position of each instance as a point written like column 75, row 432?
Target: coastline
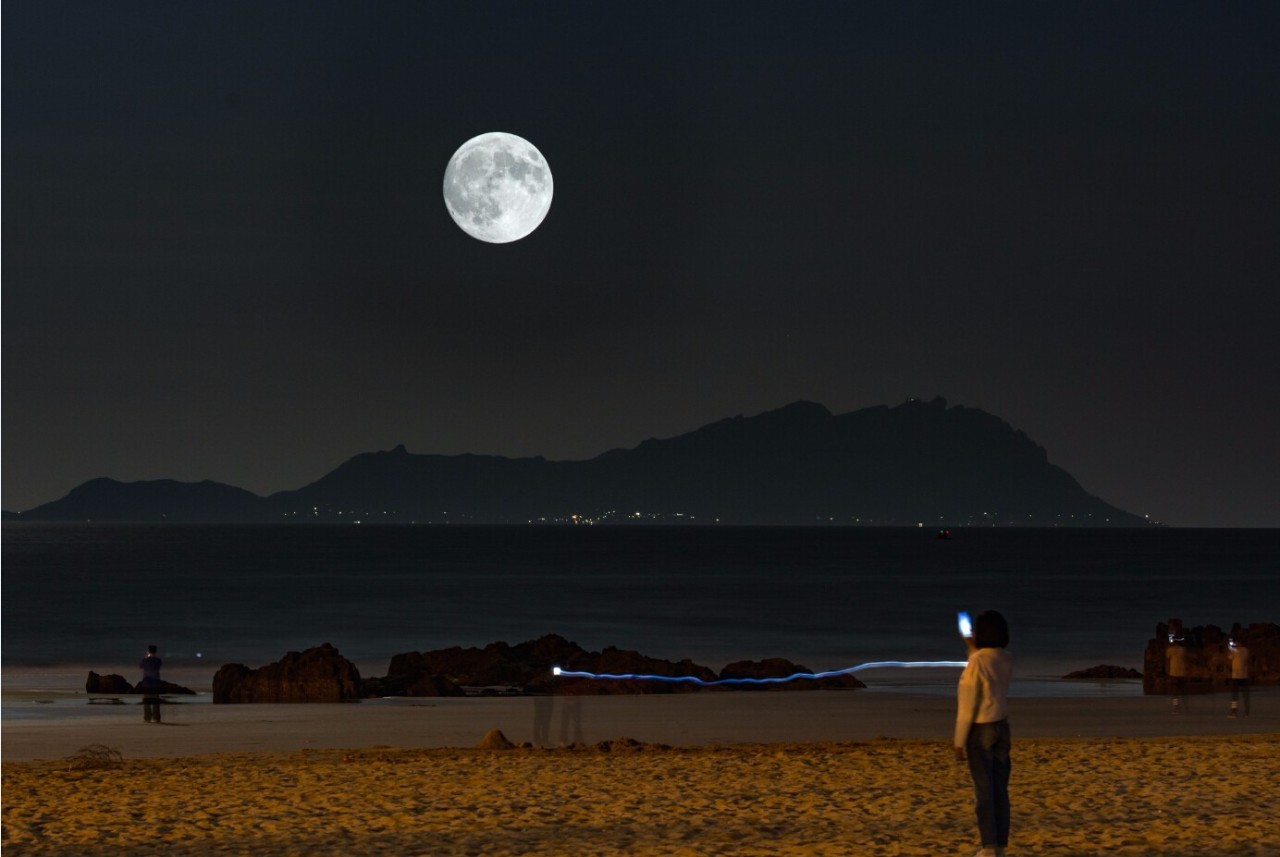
column 694, row 719
column 790, row 773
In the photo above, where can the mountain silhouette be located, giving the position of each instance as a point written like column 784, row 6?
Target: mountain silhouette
column 157, row 500
column 916, row 463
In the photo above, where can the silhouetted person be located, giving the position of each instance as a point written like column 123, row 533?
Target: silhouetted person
column 1239, row 676
column 982, row 727
column 151, row 685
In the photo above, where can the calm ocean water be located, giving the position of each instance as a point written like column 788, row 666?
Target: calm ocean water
column 80, row 597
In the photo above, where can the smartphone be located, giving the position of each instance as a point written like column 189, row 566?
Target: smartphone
column 966, row 627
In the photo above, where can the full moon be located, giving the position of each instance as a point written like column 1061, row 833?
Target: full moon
column 497, row 187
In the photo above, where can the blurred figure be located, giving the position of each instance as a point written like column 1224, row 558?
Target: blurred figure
column 543, row 707
column 571, row 719
column 151, row 685
column 1239, row 676
column 1176, row 668
column 982, row 727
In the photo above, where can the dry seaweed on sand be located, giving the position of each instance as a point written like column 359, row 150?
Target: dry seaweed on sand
column 95, row 757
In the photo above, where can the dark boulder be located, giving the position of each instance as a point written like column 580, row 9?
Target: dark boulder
column 1102, row 671
column 410, row 684
column 527, row 667
column 783, row 668
column 165, row 687
column 115, row 685
column 320, row 674
column 615, row 661
column 107, row 684
column 495, row 740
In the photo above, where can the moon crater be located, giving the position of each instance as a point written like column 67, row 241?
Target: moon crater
column 498, row 187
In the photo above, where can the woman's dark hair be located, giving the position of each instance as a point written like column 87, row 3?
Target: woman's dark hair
column 990, row 631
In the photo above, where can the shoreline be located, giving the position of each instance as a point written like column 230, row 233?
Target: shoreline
column 680, row 720
column 821, row 773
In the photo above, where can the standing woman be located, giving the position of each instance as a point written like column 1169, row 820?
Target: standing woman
column 982, row 727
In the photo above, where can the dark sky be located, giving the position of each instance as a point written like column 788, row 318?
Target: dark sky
column 225, row 253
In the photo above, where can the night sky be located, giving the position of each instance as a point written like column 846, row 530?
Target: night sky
column 226, row 257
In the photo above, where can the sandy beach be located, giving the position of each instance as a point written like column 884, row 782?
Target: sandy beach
column 783, row 773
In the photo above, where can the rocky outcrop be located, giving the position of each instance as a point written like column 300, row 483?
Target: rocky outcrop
column 527, row 668
column 165, row 687
column 1103, row 671
column 111, row 684
column 782, row 668
column 615, row 661
column 1208, row 657
column 320, row 674
column 412, row 683
column 115, row 685
column 495, row 740
column 323, row 675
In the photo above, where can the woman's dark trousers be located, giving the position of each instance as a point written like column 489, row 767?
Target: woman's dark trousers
column 988, row 751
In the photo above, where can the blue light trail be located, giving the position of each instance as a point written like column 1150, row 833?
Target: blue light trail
column 690, row 679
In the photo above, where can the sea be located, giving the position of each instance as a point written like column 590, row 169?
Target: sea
column 92, row 596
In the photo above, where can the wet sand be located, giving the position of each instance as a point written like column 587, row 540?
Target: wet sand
column 769, row 773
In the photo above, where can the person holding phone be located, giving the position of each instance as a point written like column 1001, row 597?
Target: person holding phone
column 982, row 726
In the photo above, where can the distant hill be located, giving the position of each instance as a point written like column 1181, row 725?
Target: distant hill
column 157, row 500
column 919, row 462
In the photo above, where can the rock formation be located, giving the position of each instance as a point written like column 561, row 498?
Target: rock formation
column 781, row 668
column 111, row 685
column 323, row 675
column 615, row 661
column 414, row 682
column 320, row 674
column 1208, row 656
column 167, row 687
column 1102, row 671
column 526, row 668
column 495, row 740
column 115, row 685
